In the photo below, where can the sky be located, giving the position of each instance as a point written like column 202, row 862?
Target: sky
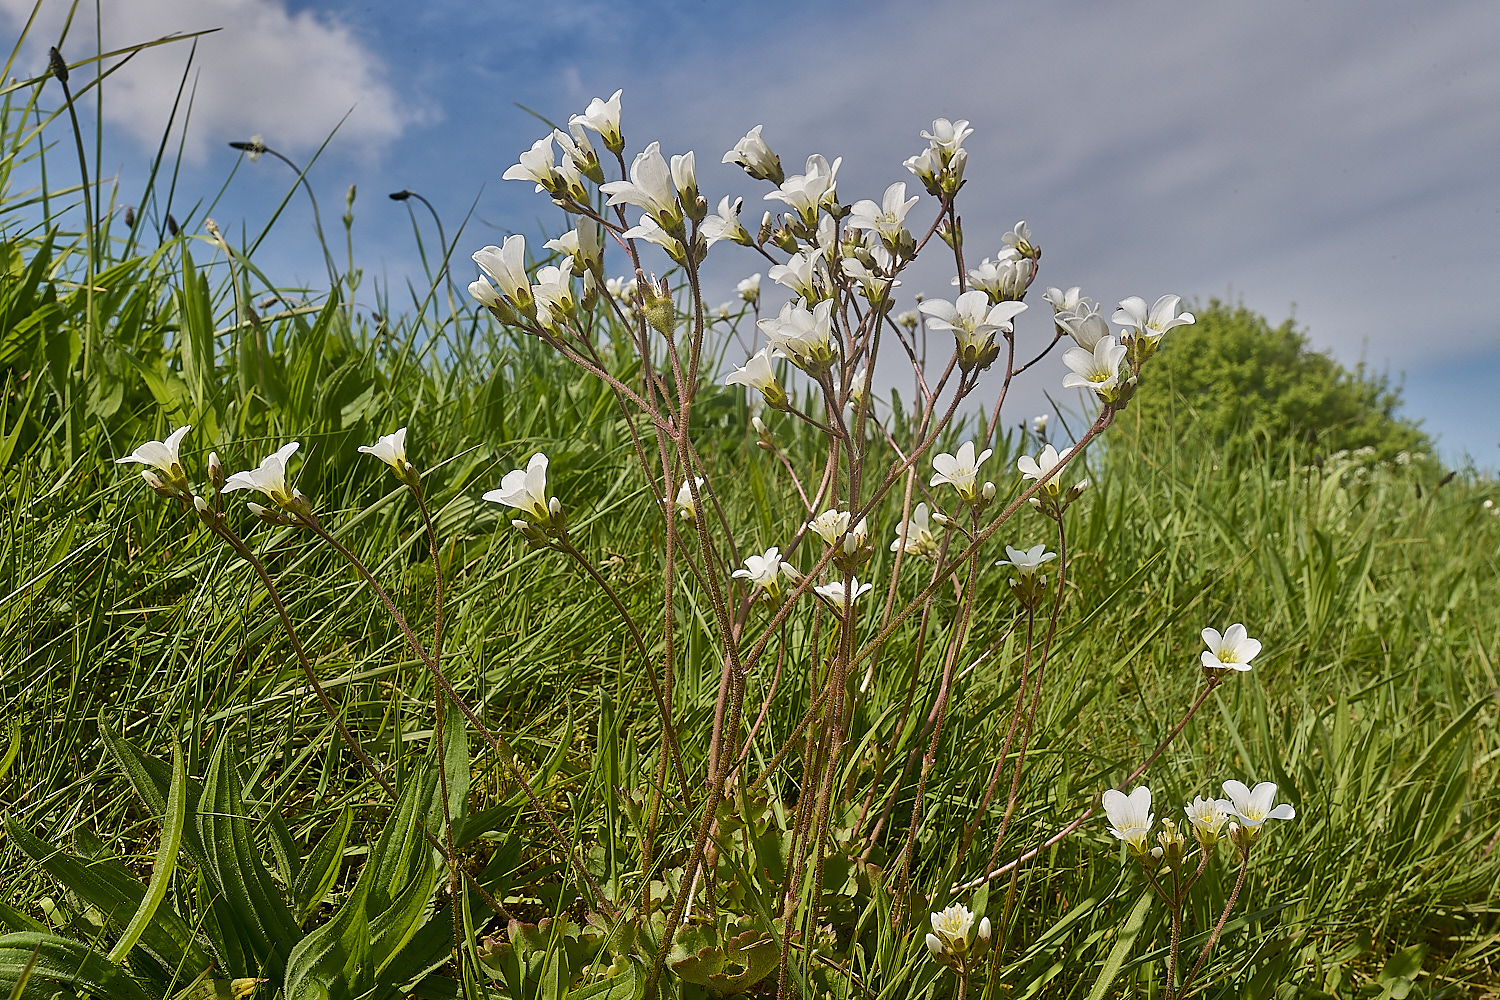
column 1337, row 162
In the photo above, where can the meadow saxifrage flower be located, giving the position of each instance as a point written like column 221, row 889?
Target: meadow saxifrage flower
column 603, row 117
column 749, row 289
column 1033, row 469
column 961, row 471
column 1150, row 324
column 757, row 158
column 1253, row 806
column 725, row 224
column 1231, row 651
column 506, row 267
column 764, row 571
column 270, row 478
column 1208, row 817
column 391, row 449
column 649, row 188
column 525, row 489
column 830, row 525
column 1130, row 817
column 915, row 537
column 1097, row 369
column 1027, row 561
column 758, row 373
column 833, row 592
column 888, row 218
column 165, row 457
column 805, row 192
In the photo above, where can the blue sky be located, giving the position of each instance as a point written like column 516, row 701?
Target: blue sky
column 1337, row 161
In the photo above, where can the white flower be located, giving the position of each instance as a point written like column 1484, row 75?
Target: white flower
column 603, row 117
column 1004, row 279
column 756, row 157
column 915, row 536
column 1039, row 424
column 390, row 449
column 1098, row 369
column 833, row 592
column 685, row 176
column 806, row 191
column 749, row 288
column 1130, row 817
column 1208, row 817
column 1019, row 239
column 484, row 293
column 649, row 188
column 888, row 218
column 759, row 374
column 726, row 224
column 686, row 508
column 805, row 273
column 163, row 456
column 925, row 165
column 1232, row 651
column 537, row 164
column 581, row 244
column 1252, row 807
column 953, row 925
column 830, row 525
column 764, row 571
column 1084, row 323
column 554, row 292
column 801, row 335
column 649, row 230
column 873, row 284
column 1033, row 469
column 506, row 267
column 946, row 137
column 960, row 471
column 1028, row 561
column 525, row 489
column 1150, row 325
column 575, row 143
column 1065, row 301
column 269, row 478
column 857, row 537
column 974, row 323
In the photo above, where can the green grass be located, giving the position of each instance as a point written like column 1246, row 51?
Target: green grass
column 1373, row 707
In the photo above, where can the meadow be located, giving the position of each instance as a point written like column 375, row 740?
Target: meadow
column 130, row 636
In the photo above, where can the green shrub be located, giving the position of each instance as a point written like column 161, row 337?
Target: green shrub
column 1244, row 387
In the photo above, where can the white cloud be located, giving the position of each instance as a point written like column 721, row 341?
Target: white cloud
column 287, row 76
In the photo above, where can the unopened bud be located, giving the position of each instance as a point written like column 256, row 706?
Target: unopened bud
column 200, row 504
column 215, row 470
column 1077, row 489
column 941, row 519
column 764, row 233
column 763, row 430
column 988, row 492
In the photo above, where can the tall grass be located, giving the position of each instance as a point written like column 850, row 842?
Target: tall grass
column 1373, row 707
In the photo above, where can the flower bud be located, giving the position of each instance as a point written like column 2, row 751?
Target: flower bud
column 988, row 492
column 942, row 519
column 200, row 504
column 1077, row 490
column 215, row 471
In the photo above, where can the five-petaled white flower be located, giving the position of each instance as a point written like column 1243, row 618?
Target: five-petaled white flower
column 830, row 525
column 806, row 191
column 1019, row 240
column 686, row 508
column 801, row 335
column 833, row 592
column 1084, row 323
column 954, row 931
column 649, row 230
column 1231, row 651
column 1027, row 561
column 1098, row 369
column 506, row 267
column 553, row 292
column 805, row 272
column 269, row 478
column 759, row 373
column 1039, row 424
column 915, row 537
column 1033, row 469
column 1253, row 806
column 1151, row 324
column 164, row 457
column 1065, row 301
column 749, row 288
column 974, row 323
column 537, row 164
column 759, row 161
column 1208, row 817
column 1005, row 278
column 1130, row 817
column 525, row 489
column 960, row 471
column 391, row 449
column 603, row 117
column 765, row 571
column 649, row 188
column 887, row 218
column 726, row 224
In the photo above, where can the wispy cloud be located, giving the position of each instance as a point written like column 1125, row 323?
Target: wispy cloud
column 290, row 76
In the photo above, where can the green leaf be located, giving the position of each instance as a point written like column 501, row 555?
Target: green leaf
column 166, row 861
column 621, row 987
column 321, row 869
column 1121, row 950
column 56, row 963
